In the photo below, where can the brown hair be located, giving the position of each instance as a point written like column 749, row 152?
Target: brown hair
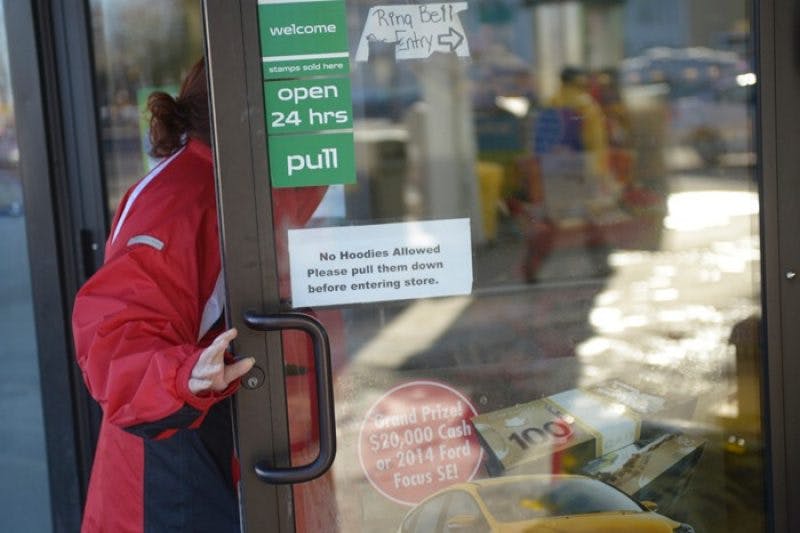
column 173, row 120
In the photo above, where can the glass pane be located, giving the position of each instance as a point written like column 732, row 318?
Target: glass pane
column 602, row 156
column 140, row 46
column 24, row 485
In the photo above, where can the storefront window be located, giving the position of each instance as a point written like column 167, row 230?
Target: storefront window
column 24, row 485
column 602, row 154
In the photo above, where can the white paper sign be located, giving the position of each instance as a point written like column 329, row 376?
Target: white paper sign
column 357, row 264
column 416, row 30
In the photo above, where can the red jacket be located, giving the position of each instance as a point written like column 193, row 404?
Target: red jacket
column 140, row 324
column 164, row 456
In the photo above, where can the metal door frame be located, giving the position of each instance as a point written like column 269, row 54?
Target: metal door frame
column 54, row 107
column 240, row 154
column 777, row 37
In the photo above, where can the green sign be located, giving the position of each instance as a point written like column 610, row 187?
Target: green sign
column 308, row 105
column 316, row 159
column 303, row 38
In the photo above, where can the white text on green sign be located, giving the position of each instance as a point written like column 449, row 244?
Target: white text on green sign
column 308, row 105
column 315, row 159
column 303, row 38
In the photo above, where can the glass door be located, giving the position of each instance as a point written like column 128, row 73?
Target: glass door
column 26, row 487
column 523, row 239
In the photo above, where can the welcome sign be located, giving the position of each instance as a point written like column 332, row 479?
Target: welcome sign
column 302, row 38
column 309, row 111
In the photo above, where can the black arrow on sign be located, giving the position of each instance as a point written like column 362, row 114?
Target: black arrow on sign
column 453, row 38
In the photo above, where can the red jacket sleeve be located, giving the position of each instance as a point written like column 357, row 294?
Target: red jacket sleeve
column 135, row 324
column 292, row 208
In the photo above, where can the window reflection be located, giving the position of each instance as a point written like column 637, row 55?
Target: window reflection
column 604, row 154
column 140, row 46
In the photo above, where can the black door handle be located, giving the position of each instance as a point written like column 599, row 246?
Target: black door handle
column 322, row 368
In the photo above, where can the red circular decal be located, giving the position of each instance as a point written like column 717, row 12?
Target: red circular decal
column 417, row 439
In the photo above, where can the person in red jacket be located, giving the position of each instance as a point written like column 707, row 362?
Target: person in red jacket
column 151, row 343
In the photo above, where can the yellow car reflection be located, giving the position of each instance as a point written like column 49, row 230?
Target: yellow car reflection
column 536, row 504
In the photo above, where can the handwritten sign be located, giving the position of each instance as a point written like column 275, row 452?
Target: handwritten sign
column 400, row 261
column 417, row 439
column 416, row 30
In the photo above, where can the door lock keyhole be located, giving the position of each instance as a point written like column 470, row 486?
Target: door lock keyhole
column 253, row 379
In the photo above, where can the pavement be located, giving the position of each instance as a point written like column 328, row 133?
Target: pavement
column 24, row 487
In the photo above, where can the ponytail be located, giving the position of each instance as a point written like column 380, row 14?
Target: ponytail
column 174, row 120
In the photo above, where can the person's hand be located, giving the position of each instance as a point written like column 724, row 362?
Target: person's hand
column 210, row 373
